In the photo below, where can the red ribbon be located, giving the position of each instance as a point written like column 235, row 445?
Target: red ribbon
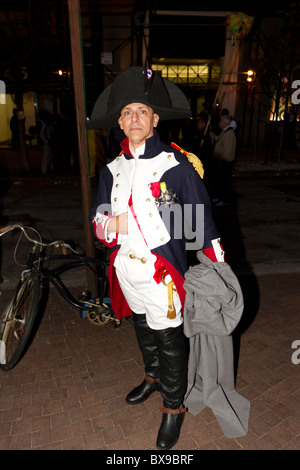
column 159, row 270
column 155, row 189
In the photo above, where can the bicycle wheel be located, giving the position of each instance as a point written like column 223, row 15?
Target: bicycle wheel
column 18, row 319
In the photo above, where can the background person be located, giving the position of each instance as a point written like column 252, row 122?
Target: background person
column 14, row 127
column 222, row 162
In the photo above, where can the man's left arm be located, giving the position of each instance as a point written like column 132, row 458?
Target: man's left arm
column 205, row 228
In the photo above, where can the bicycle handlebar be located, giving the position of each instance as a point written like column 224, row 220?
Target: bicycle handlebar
column 57, row 244
column 5, row 229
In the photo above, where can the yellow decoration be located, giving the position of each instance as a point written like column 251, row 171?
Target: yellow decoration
column 163, row 187
column 171, row 310
column 196, row 162
column 171, row 286
column 193, row 159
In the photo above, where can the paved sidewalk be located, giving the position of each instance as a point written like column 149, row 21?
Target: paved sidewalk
column 68, row 392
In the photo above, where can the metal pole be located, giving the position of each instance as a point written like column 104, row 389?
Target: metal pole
column 78, row 80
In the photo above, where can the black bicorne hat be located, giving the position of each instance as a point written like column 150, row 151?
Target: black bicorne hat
column 138, row 85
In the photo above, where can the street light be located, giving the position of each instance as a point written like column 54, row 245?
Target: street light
column 250, row 76
column 61, row 72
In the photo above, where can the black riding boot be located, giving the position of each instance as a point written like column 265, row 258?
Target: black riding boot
column 173, row 370
column 147, row 344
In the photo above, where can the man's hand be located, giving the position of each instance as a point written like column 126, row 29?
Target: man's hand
column 118, row 224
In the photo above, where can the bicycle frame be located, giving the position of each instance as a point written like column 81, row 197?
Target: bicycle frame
column 52, row 275
column 38, row 257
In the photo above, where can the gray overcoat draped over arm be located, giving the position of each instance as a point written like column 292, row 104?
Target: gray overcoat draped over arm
column 213, row 308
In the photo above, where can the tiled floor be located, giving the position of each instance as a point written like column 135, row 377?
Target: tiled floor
column 68, row 391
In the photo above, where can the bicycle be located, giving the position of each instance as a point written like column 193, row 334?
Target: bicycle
column 19, row 315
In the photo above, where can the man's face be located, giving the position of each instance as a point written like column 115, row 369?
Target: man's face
column 137, row 121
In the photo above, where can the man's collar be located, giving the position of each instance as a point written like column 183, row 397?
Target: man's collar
column 139, row 151
column 148, row 149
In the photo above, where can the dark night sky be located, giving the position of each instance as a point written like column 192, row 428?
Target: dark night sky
column 196, row 36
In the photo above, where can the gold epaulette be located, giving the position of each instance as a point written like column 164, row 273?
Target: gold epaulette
column 195, row 161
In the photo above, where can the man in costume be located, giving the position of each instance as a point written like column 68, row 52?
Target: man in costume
column 147, row 197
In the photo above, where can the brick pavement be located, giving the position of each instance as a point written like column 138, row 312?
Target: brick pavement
column 68, row 391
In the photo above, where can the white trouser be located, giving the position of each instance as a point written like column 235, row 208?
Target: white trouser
column 140, row 289
column 144, row 295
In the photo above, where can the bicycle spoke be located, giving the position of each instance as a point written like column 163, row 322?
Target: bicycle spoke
column 17, row 323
